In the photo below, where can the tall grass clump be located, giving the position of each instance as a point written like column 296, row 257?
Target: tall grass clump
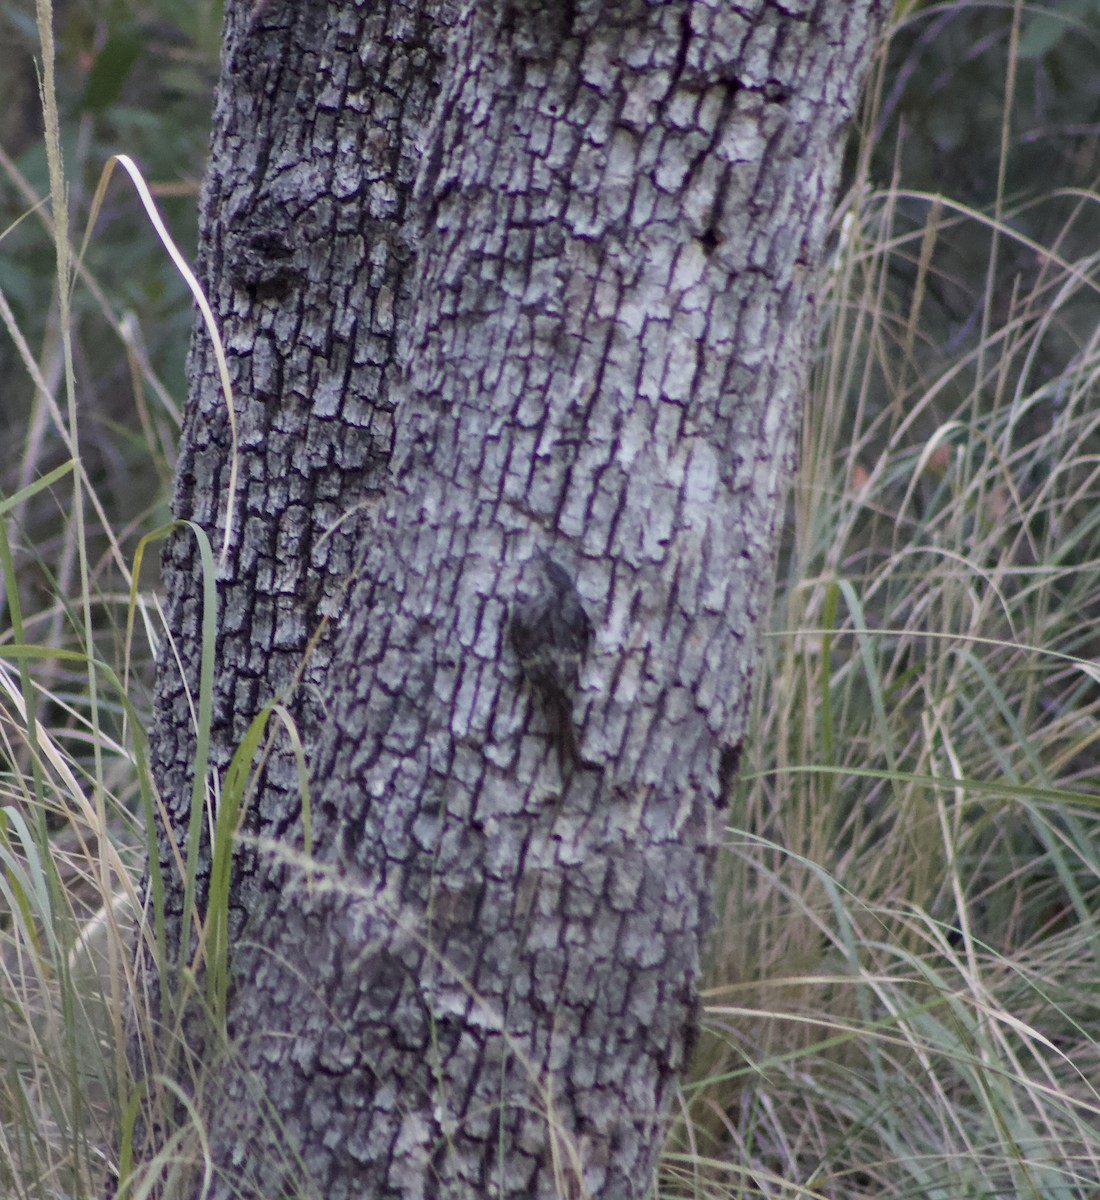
column 904, row 985
column 90, row 426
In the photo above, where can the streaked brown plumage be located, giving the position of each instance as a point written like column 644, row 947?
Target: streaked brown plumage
column 551, row 632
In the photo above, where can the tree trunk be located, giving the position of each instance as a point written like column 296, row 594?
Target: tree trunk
column 517, row 302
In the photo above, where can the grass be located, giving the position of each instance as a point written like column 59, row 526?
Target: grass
column 902, row 987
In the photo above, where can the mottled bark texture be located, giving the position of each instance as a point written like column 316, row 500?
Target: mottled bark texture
column 550, row 291
column 319, row 120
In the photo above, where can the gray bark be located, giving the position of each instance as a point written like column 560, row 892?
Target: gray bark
column 497, row 281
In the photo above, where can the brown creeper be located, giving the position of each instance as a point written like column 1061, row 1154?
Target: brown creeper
column 551, row 632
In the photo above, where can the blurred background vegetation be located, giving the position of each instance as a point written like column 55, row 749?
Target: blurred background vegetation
column 134, row 77
column 903, row 989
